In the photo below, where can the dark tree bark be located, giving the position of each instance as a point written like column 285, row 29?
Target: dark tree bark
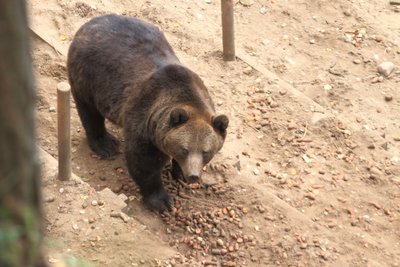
column 20, row 210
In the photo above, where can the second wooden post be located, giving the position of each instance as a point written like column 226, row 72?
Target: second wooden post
column 228, row 33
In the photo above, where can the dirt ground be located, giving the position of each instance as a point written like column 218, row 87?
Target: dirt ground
column 309, row 174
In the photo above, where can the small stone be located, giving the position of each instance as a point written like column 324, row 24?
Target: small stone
column 386, row 68
column 224, row 210
column 282, row 92
column 357, row 61
column 347, row 13
column 388, row 98
column 208, row 1
column 303, row 245
column 354, row 223
column 119, row 170
column 347, row 37
column 114, row 214
column 310, row 196
column 94, row 203
column 385, row 146
column 124, row 217
column 378, row 38
column 375, row 79
column 103, row 178
column 52, row 109
column 248, row 70
column 256, row 172
column 220, row 242
column 327, row 87
column 117, row 189
column 263, row 10
column 264, row 123
column 273, row 104
column 292, row 126
column 261, row 209
column 216, row 251
column 375, row 171
column 75, row 226
column 92, row 220
column 332, row 225
column 371, row 146
column 239, row 240
column 49, row 199
column 61, row 190
column 246, row 2
column 312, row 41
column 367, row 218
column 232, row 213
column 324, row 255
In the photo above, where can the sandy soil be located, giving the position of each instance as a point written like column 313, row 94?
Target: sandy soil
column 309, row 174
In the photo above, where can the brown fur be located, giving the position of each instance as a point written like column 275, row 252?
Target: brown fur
column 123, row 69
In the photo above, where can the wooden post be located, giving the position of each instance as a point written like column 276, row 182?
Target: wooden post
column 64, row 131
column 228, row 34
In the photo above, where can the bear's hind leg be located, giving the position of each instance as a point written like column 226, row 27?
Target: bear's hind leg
column 100, row 140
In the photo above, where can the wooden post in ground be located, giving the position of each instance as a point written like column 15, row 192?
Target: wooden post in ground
column 64, row 131
column 228, row 34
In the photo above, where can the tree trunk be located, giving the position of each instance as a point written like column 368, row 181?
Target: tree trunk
column 20, row 210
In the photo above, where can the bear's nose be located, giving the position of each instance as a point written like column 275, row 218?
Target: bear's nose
column 192, row 178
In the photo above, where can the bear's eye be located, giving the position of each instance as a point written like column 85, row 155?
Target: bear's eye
column 206, row 155
column 184, row 152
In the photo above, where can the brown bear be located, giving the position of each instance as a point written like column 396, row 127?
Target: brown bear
column 124, row 69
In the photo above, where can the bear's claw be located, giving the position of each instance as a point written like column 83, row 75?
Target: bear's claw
column 105, row 146
column 159, row 201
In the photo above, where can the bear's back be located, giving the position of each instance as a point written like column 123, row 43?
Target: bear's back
column 111, row 53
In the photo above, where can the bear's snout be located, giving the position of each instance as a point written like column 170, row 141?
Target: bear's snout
column 194, row 167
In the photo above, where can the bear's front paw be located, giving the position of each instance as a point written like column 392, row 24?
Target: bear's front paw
column 105, row 146
column 159, row 201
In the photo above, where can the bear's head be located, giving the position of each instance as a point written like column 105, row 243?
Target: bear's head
column 193, row 139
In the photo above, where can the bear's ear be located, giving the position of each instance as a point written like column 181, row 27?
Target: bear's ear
column 178, row 116
column 220, row 123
